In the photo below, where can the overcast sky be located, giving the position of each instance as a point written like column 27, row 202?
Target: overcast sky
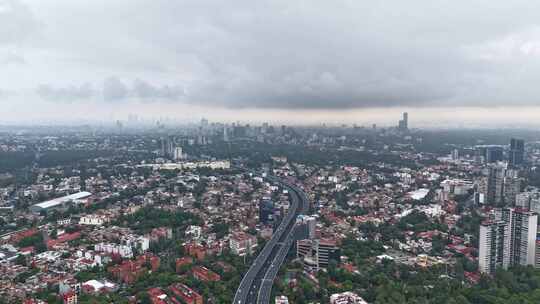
column 101, row 59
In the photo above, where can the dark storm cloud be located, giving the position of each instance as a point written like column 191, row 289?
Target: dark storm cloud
column 113, row 89
column 284, row 53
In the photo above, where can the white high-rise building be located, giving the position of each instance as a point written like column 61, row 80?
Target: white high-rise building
column 523, row 236
column 508, row 239
column 494, row 239
column 178, row 153
column 309, row 224
column 455, row 154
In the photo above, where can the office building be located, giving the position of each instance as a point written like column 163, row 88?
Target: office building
column 516, row 156
column 456, row 186
column 266, row 211
column 494, row 154
column 489, row 153
column 316, row 254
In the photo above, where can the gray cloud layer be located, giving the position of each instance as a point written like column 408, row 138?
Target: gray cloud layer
column 276, row 54
column 69, row 94
column 112, row 90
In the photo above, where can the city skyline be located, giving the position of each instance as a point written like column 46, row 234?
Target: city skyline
column 293, row 62
column 269, row 152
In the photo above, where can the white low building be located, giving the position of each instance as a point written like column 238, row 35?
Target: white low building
column 49, row 256
column 98, row 286
column 93, row 220
column 122, row 250
column 194, row 231
column 78, row 197
column 346, row 298
column 282, row 300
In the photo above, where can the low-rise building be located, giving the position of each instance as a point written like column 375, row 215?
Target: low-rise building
column 317, row 253
column 93, row 220
column 346, row 298
column 123, row 251
column 242, row 243
column 204, row 274
column 187, row 294
column 70, row 298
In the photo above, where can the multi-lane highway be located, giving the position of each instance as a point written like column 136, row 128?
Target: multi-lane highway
column 256, row 285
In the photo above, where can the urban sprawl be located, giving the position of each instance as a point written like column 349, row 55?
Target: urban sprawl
column 238, row 213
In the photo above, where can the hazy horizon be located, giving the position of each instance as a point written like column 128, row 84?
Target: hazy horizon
column 447, row 63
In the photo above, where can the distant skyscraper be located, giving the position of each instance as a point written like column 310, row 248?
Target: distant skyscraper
column 494, row 154
column 489, row 153
column 133, row 119
column 406, row 119
column 119, row 125
column 204, row 123
column 167, row 147
column 455, row 154
column 225, row 133
column 178, row 153
column 517, row 152
column 403, row 124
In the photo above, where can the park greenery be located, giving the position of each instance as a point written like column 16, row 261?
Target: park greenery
column 388, row 282
column 147, row 218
